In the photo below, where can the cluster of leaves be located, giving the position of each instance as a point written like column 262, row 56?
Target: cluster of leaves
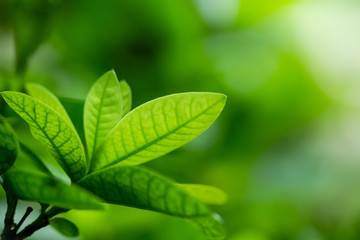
column 105, row 169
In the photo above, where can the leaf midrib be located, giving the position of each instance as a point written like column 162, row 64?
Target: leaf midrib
column 66, row 116
column 128, row 155
column 98, row 117
column 189, row 216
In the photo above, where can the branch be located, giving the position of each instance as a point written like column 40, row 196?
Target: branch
column 40, row 222
column 9, row 218
column 27, row 213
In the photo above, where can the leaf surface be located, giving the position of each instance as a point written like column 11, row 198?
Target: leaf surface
column 8, row 146
column 27, row 158
column 138, row 187
column 158, row 127
column 65, row 227
column 75, row 109
column 34, row 186
column 103, row 109
column 126, row 97
column 206, row 194
column 52, row 130
column 45, row 96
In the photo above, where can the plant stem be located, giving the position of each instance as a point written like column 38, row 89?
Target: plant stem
column 9, row 218
column 27, row 213
column 40, row 222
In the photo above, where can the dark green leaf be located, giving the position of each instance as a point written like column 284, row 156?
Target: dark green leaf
column 141, row 188
column 65, row 227
column 8, row 146
column 75, row 109
column 34, row 186
column 28, row 158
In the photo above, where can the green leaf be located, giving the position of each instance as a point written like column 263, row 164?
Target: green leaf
column 103, row 109
column 8, row 146
column 126, row 97
column 30, row 160
column 158, row 127
column 65, row 227
column 34, row 186
column 52, row 130
column 45, row 96
column 138, row 187
column 75, row 109
column 206, row 194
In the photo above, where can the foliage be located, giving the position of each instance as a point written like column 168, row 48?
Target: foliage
column 117, row 141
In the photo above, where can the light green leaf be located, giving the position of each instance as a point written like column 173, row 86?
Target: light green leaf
column 45, row 96
column 138, row 187
column 206, row 194
column 158, row 127
column 103, row 109
column 65, row 227
column 52, row 130
column 8, row 146
column 126, row 97
column 34, row 186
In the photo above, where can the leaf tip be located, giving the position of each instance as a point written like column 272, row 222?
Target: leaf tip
column 111, row 73
column 222, row 98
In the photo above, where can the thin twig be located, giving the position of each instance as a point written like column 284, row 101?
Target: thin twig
column 27, row 213
column 40, row 222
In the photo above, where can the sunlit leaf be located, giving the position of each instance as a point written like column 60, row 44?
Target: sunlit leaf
column 45, row 96
column 65, row 227
column 52, row 130
column 206, row 194
column 8, row 146
column 138, row 187
column 158, row 127
column 34, row 186
column 103, row 109
column 126, row 97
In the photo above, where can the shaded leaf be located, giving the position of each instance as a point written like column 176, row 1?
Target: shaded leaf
column 206, row 194
column 52, row 130
column 75, row 109
column 32, row 160
column 158, row 127
column 103, row 109
column 65, row 227
column 45, row 96
column 34, row 186
column 126, row 97
column 8, row 146
column 138, row 187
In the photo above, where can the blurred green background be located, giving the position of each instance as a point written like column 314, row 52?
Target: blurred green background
column 286, row 148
